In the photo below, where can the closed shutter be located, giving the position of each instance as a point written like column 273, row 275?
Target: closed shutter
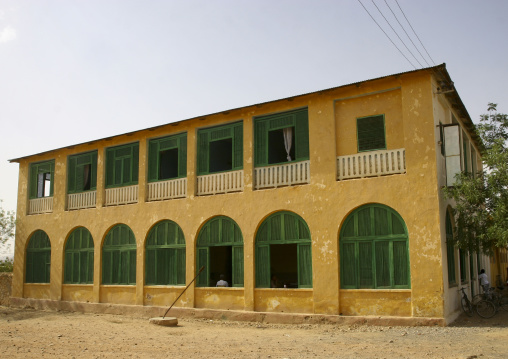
column 93, row 170
column 366, row 278
column 262, row 266
column 90, row 267
column 161, row 266
column 238, row 147
column 400, row 264
column 29, row 275
column 260, row 143
column 304, row 266
column 33, row 181
column 71, row 175
column 132, row 266
column 371, row 133
column 237, row 266
column 182, row 156
column 202, row 165
column 203, row 278
column 348, row 265
column 302, row 136
column 382, row 256
column 150, row 272
column 135, row 163
column 180, row 266
column 153, row 161
column 110, row 167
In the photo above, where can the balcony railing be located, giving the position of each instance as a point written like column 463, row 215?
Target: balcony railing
column 282, row 175
column 158, row 191
column 223, row 182
column 121, row 195
column 40, row 205
column 370, row 164
column 81, row 200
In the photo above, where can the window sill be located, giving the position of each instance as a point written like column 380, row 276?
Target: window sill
column 373, row 290
column 283, row 289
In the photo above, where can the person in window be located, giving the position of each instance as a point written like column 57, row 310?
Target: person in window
column 484, row 282
column 274, row 283
column 222, row 282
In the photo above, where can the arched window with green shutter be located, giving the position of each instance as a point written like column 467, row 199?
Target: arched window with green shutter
column 283, row 252
column 165, row 255
column 38, row 258
column 219, row 249
column 119, row 256
column 450, row 251
column 374, row 249
column 79, row 253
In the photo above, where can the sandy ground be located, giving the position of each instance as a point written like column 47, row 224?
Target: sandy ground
column 27, row 333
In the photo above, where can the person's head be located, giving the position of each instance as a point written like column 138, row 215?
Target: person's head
column 221, row 277
column 482, row 271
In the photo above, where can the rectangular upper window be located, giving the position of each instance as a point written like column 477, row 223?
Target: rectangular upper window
column 281, row 138
column 122, row 164
column 41, row 179
column 167, row 158
column 220, row 149
column 371, row 133
column 82, row 172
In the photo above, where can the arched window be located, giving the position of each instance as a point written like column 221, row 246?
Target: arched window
column 119, row 256
column 78, row 267
column 283, row 252
column 374, row 249
column 38, row 258
column 220, row 251
column 165, row 255
column 450, row 251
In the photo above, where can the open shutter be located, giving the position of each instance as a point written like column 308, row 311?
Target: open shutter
column 203, row 278
column 238, row 147
column 260, row 143
column 182, row 157
column 153, row 166
column 80, row 178
column 71, row 175
column 263, row 266
column 135, row 163
column 302, row 136
column 304, row 266
column 93, row 171
column 202, row 153
column 452, row 153
column 52, row 178
column 110, row 167
column 237, row 266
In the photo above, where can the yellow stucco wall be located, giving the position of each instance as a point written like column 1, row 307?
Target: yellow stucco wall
column 408, row 105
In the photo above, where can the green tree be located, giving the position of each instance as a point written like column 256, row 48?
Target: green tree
column 7, row 226
column 481, row 208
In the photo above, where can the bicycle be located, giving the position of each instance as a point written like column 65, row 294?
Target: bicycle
column 466, row 305
column 496, row 297
column 484, row 305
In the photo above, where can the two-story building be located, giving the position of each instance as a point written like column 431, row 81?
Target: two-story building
column 325, row 203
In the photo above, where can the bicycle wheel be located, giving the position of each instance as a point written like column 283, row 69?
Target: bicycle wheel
column 467, row 307
column 485, row 309
column 503, row 303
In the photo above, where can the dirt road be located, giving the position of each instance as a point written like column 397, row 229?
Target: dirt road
column 27, row 333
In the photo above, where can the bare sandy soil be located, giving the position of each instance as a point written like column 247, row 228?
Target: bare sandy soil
column 27, row 333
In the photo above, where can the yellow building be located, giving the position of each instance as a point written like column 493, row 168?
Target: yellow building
column 327, row 203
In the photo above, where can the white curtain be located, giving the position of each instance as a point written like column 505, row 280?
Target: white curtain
column 288, row 140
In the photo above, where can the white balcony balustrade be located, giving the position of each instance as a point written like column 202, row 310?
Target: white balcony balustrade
column 81, row 200
column 40, row 205
column 223, row 182
column 158, row 191
column 371, row 164
column 282, row 175
column 121, row 195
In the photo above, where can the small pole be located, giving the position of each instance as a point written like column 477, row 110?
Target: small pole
column 200, row 270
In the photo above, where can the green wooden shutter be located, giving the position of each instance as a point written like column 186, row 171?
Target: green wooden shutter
column 33, row 181
column 93, row 171
column 52, row 180
column 202, row 153
column 135, row 163
column 304, row 266
column 371, row 133
column 182, row 157
column 71, row 175
column 238, row 146
column 382, row 256
column 68, row 268
column 348, row 271
column 150, row 272
column 90, row 267
column 237, row 266
column 132, row 266
column 400, row 264
column 260, row 143
column 203, row 278
column 262, row 266
column 180, row 266
column 80, row 183
column 302, row 136
column 153, row 161
column 365, row 260
column 110, row 167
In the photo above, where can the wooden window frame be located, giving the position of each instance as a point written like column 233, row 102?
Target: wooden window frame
column 391, row 238
column 205, row 137
column 263, row 252
column 263, row 125
column 38, row 258
column 74, row 171
column 35, row 170
column 175, row 277
column 156, row 146
column 112, row 157
column 79, row 257
column 358, row 134
column 108, row 252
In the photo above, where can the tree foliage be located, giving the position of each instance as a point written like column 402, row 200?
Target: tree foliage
column 7, row 226
column 481, row 209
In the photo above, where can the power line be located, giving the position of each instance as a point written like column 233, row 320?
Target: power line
column 414, row 32
column 386, row 34
column 403, row 43
column 409, row 37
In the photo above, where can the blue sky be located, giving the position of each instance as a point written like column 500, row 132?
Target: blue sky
column 74, row 71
